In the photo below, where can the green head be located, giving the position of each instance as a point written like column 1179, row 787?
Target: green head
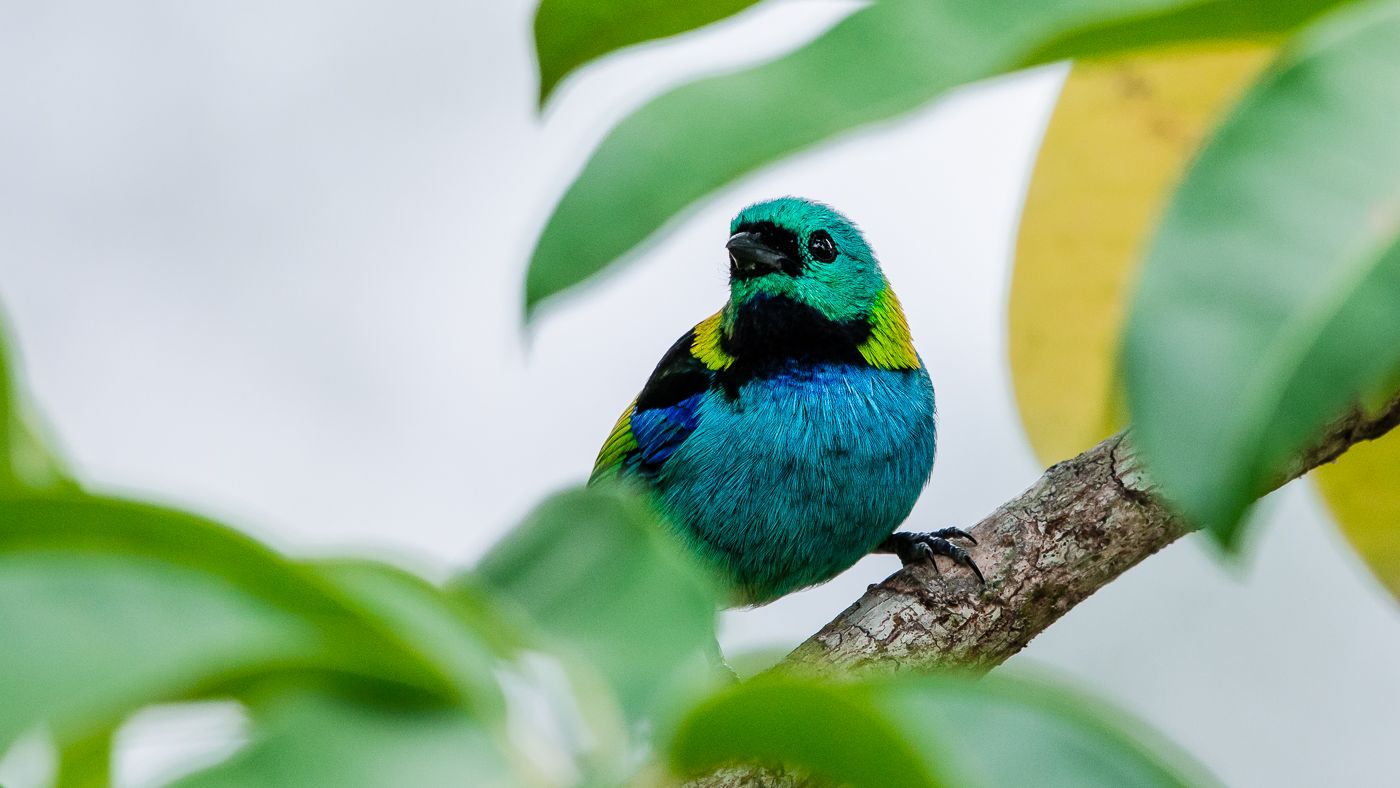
column 805, row 251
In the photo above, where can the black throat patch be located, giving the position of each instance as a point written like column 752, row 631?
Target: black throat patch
column 772, row 334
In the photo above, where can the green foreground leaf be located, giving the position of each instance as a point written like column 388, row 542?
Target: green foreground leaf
column 28, row 462
column 570, row 33
column 449, row 632
column 1271, row 299
column 596, row 572
column 828, row 730
column 882, row 61
column 925, row 731
column 108, row 606
column 313, row 740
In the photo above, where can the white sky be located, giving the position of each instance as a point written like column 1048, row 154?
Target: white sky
column 264, row 260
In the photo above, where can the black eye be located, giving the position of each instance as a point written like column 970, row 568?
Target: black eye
column 822, row 248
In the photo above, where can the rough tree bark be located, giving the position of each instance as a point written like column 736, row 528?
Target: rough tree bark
column 1085, row 522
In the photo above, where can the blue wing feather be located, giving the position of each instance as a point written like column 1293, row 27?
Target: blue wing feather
column 666, row 412
column 660, row 431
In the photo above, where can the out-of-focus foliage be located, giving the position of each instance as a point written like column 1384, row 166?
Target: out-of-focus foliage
column 884, row 60
column 597, row 571
column 456, row 634
column 991, row 732
column 570, row 33
column 1269, row 301
column 831, row 731
column 1121, row 134
column 310, row 738
column 109, row 606
column 30, row 463
column 106, row 605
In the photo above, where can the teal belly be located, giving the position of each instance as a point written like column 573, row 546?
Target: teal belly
column 794, row 480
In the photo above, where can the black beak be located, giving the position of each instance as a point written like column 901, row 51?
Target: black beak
column 750, row 257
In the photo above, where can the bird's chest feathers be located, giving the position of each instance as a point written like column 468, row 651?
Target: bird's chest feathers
column 802, row 472
column 824, row 423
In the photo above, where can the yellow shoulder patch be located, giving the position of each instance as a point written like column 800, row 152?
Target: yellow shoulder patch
column 706, row 346
column 889, row 345
column 619, row 444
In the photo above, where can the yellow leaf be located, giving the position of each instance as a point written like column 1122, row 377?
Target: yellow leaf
column 1362, row 490
column 1120, row 137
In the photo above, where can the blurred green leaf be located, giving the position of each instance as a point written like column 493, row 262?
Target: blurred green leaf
column 1015, row 731
column 324, row 740
column 833, row 731
column 920, row 731
column 1271, row 298
column 1378, row 397
column 35, row 465
column 570, row 33
column 86, row 762
column 7, row 405
column 28, row 463
column 107, row 606
column 428, row 622
column 1204, row 20
column 595, row 570
column 882, row 61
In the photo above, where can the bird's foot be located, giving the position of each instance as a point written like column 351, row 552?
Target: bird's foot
column 923, row 546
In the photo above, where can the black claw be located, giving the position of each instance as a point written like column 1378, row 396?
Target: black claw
column 921, row 553
column 915, row 547
column 954, row 533
column 966, row 560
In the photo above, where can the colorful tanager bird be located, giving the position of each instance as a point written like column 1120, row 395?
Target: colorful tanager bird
column 788, row 434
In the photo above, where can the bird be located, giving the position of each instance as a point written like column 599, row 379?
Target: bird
column 790, row 433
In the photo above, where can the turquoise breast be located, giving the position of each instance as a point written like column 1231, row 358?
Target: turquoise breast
column 799, row 474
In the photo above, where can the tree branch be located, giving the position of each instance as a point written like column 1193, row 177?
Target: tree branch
column 1085, row 522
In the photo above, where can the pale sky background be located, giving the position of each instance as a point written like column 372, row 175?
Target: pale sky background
column 264, row 260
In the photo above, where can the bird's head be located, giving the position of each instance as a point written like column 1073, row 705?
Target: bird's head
column 805, row 251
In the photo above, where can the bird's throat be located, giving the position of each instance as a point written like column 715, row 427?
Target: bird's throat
column 773, row 330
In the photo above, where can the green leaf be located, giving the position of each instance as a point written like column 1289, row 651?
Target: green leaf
column 598, row 573
column 829, row 730
column 1014, row 731
column 570, row 33
column 35, row 465
column 882, row 61
column 108, row 606
column 921, row 731
column 440, row 629
column 7, row 406
column 86, row 762
column 1375, row 400
column 1227, row 20
column 1270, row 300
column 310, row 740
column 28, row 463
